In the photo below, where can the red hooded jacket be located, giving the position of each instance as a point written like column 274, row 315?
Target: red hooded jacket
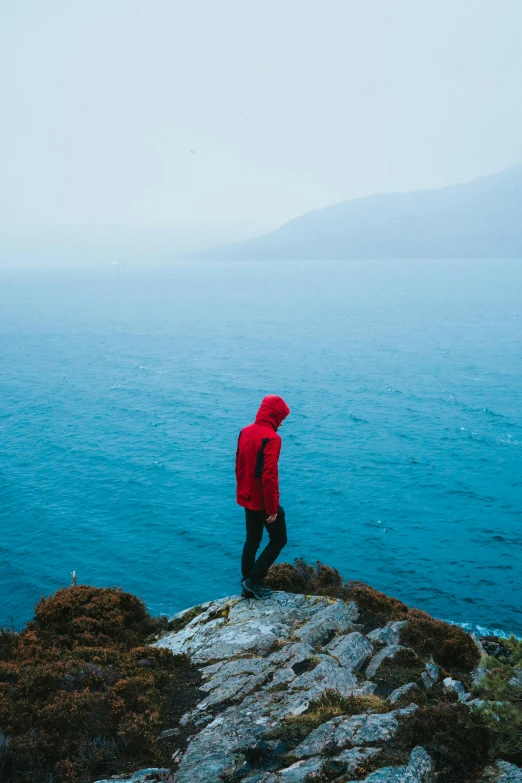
column 258, row 449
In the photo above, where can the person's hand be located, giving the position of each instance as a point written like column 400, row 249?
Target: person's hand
column 272, row 518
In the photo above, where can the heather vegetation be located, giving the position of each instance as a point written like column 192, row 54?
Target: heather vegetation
column 81, row 693
column 451, row 647
column 84, row 696
column 460, row 739
column 456, row 739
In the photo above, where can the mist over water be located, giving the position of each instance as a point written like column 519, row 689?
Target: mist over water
column 123, row 391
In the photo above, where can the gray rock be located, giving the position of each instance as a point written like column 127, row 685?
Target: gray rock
column 457, row 687
column 430, row 676
column 224, row 670
column 390, row 651
column 478, row 674
column 233, row 680
column 380, row 727
column 355, row 756
column 404, row 690
column 184, row 612
column 342, row 732
column 218, row 748
column 351, row 650
column 291, row 654
column 479, row 703
column 502, row 772
column 320, row 737
column 420, row 767
column 233, row 690
column 478, row 645
column 261, row 657
column 336, row 616
column 230, row 627
column 327, row 675
column 166, row 733
column 385, row 775
column 300, row 771
column 418, row 770
column 517, row 679
column 140, row 776
column 389, row 634
column 366, row 688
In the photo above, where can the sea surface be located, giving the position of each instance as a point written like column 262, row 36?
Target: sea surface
column 123, row 389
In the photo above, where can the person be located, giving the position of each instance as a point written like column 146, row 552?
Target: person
column 257, row 455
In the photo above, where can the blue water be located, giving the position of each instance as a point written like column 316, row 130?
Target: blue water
column 123, row 391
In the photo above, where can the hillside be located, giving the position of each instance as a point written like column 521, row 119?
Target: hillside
column 479, row 219
column 326, row 681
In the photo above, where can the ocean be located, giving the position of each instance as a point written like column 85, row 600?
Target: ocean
column 123, row 390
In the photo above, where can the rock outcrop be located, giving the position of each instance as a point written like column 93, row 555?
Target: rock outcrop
column 264, row 662
column 267, row 665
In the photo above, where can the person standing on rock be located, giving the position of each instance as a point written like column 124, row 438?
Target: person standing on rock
column 257, row 455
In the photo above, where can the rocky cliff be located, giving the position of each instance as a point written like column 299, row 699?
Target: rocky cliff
column 302, row 688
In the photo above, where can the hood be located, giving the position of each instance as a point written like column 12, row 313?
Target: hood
column 272, row 411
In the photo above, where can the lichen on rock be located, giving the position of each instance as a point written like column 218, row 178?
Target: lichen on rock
column 278, row 669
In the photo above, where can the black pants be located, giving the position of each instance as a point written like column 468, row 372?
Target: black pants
column 255, row 522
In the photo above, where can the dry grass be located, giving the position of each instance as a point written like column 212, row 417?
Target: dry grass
column 329, row 705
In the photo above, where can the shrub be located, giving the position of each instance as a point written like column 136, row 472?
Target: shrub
column 455, row 738
column 501, row 691
column 81, row 696
column 512, row 651
column 306, row 579
column 404, row 667
column 376, row 608
column 451, row 647
column 7, row 641
column 375, row 605
column 505, row 725
column 92, row 617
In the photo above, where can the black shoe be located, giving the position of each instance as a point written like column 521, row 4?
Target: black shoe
column 245, row 593
column 266, row 591
column 255, row 591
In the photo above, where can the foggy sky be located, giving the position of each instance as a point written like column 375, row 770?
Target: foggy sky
column 289, row 105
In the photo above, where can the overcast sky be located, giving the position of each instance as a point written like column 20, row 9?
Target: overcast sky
column 289, row 105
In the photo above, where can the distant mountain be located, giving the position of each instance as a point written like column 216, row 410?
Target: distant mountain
column 479, row 219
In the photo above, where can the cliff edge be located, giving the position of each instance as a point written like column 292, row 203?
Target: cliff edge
column 297, row 689
column 327, row 681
